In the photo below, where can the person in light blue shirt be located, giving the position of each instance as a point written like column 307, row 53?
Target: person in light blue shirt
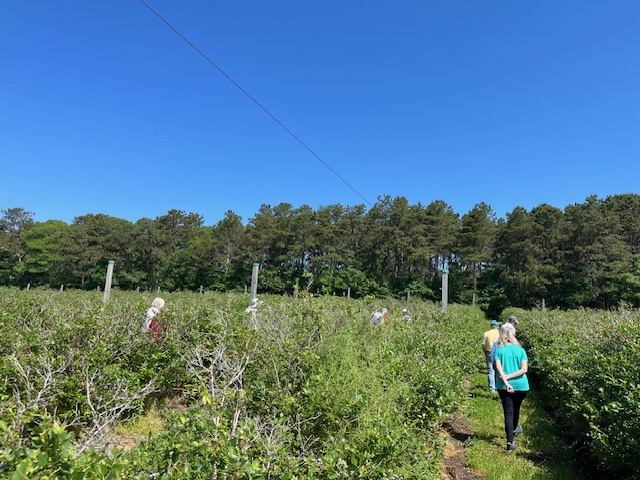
column 513, row 321
column 512, row 364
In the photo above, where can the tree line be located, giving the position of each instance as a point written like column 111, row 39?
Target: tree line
column 585, row 255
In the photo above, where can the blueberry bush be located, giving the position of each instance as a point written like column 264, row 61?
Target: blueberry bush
column 586, row 363
column 302, row 388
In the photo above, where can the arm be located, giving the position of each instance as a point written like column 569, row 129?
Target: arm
column 484, row 343
column 524, row 368
column 503, row 376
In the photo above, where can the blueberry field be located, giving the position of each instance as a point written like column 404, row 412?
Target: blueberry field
column 302, row 388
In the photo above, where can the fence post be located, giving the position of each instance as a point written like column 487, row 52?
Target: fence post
column 107, row 283
column 254, row 280
column 445, row 289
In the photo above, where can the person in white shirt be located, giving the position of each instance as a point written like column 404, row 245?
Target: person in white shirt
column 511, row 322
column 156, row 306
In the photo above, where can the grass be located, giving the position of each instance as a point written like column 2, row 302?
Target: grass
column 541, row 453
column 129, row 434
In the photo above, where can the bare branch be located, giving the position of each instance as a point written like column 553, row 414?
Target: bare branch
column 107, row 403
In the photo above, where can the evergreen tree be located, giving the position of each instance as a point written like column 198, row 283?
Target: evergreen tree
column 13, row 224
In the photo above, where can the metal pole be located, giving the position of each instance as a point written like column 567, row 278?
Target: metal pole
column 254, row 280
column 107, row 283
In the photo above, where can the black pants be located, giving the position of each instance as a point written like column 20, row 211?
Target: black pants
column 511, row 405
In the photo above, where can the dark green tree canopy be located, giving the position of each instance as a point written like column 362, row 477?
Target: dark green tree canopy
column 585, row 255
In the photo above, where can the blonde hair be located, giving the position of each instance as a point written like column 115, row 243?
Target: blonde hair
column 507, row 335
column 158, row 303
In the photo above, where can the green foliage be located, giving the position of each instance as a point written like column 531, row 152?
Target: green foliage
column 51, row 453
column 587, row 362
column 304, row 388
column 583, row 256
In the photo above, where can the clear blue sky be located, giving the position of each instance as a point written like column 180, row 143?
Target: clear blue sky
column 104, row 109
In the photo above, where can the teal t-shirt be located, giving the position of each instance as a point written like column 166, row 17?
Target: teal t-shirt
column 511, row 358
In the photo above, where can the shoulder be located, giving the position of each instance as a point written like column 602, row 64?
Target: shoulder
column 517, row 351
column 507, row 347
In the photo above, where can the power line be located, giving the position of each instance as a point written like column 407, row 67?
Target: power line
column 253, row 99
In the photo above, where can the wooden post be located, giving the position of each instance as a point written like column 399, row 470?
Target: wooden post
column 445, row 289
column 61, row 288
column 473, row 300
column 200, row 288
column 107, row 283
column 28, row 286
column 254, row 280
column 348, row 292
column 544, row 307
column 408, row 295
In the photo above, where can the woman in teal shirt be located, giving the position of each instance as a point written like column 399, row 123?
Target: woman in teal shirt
column 512, row 365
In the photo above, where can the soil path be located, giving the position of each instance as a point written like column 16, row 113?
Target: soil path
column 457, row 431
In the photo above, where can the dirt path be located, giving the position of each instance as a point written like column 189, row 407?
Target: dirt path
column 457, row 432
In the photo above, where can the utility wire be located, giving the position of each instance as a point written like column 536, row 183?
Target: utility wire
column 253, row 99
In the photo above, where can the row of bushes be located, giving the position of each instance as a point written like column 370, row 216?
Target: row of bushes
column 304, row 388
column 586, row 363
